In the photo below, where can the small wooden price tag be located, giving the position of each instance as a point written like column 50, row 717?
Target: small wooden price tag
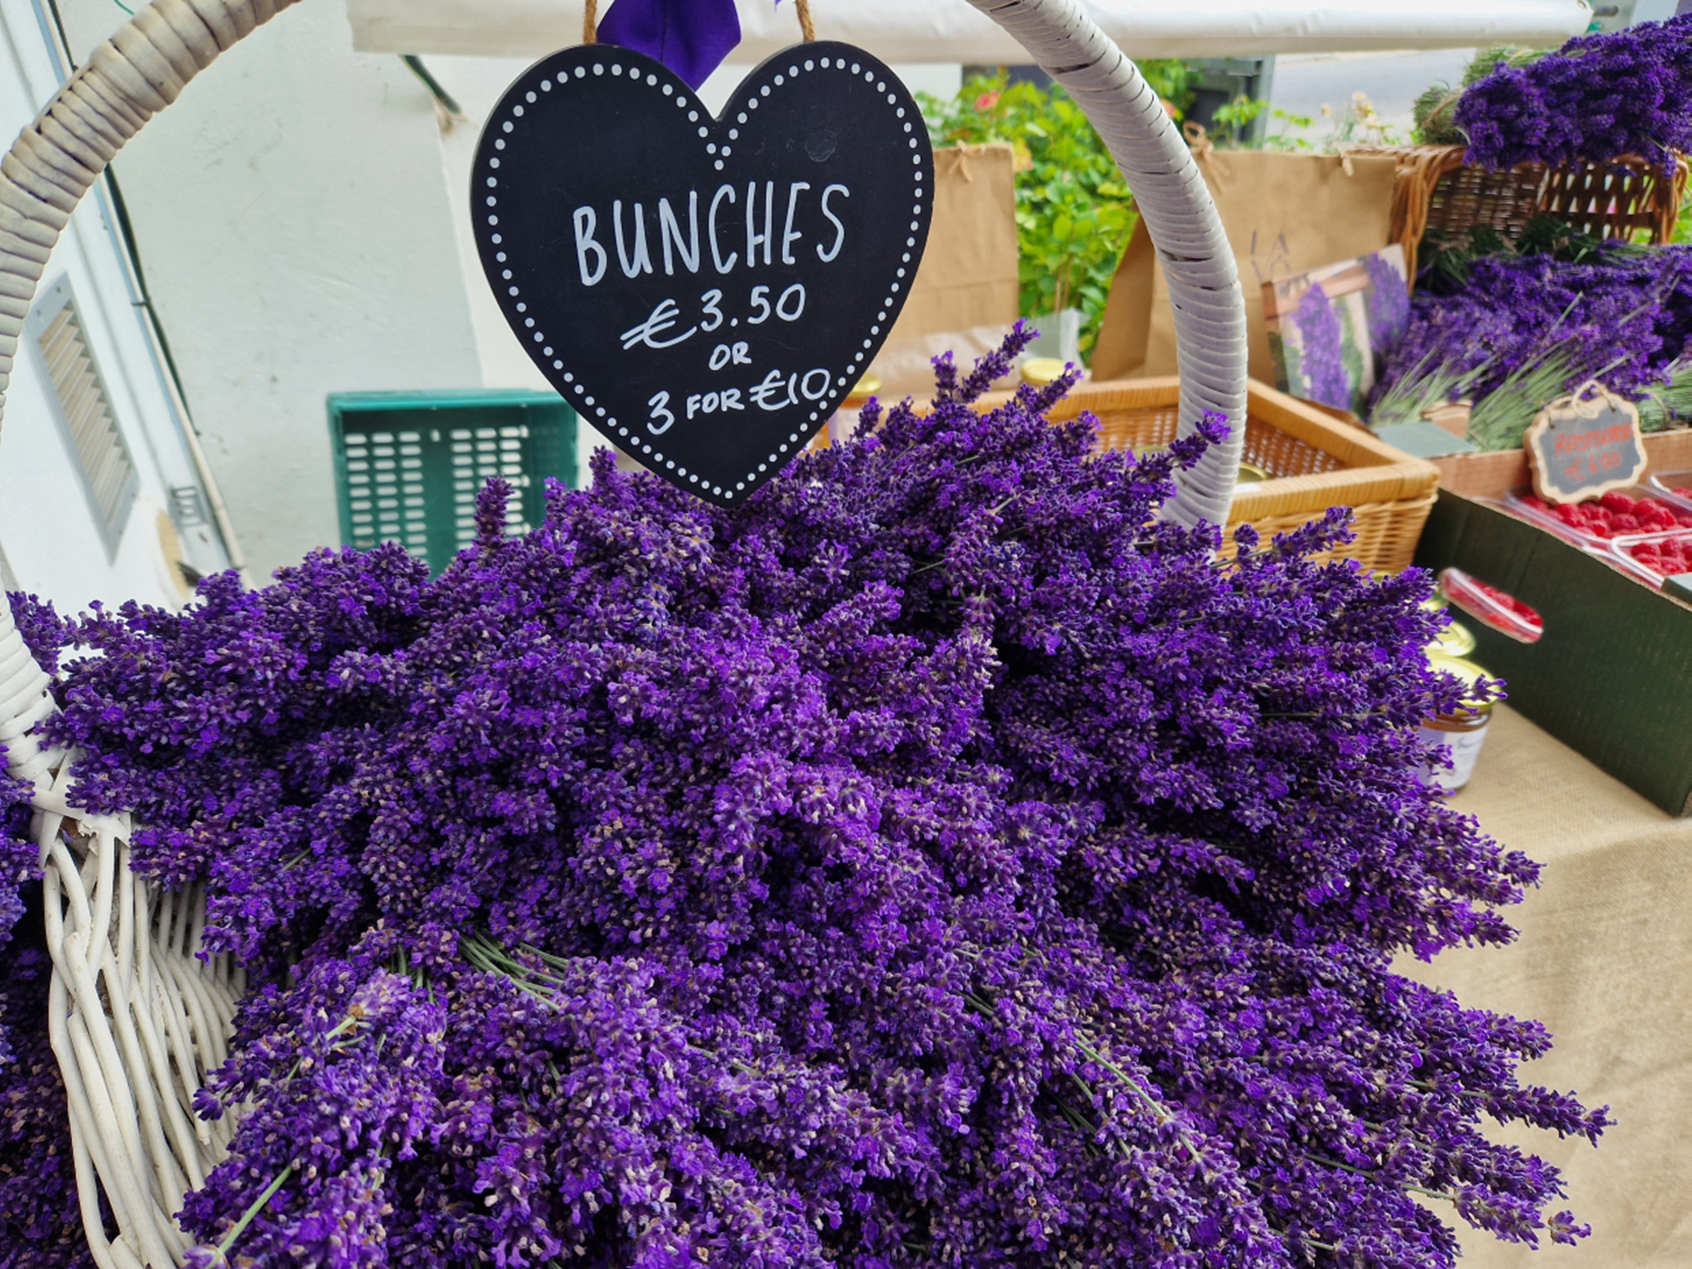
column 1585, row 444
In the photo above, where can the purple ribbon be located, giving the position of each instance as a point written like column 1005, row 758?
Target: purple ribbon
column 691, row 37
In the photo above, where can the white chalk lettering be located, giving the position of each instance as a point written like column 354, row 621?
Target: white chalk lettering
column 714, row 402
column 734, row 354
column 839, row 229
column 662, row 319
column 641, row 261
column 765, row 397
column 753, row 238
column 668, row 229
column 771, row 238
column 792, row 298
column 789, row 235
column 585, row 245
column 723, row 266
column 656, row 405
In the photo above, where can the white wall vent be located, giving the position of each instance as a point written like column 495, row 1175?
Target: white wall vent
column 84, row 410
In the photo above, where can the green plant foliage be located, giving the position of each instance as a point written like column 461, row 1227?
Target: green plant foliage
column 1074, row 212
column 1683, row 222
column 1354, row 124
column 1242, row 112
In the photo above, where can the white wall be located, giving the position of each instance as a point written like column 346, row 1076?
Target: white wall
column 292, row 213
column 1653, row 10
column 49, row 537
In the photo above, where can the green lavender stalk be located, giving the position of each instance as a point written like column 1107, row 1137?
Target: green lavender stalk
column 1422, row 389
column 1670, row 402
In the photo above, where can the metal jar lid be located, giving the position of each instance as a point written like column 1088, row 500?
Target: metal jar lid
column 1040, row 371
column 862, row 391
column 1456, row 640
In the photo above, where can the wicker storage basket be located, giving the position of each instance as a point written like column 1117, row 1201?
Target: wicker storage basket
column 1436, row 189
column 1315, row 462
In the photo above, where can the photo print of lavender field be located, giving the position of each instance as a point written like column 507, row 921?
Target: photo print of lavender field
column 1331, row 328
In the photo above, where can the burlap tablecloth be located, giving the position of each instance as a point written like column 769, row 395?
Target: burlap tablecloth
column 1605, row 961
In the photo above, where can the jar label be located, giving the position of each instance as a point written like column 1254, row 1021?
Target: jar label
column 1463, row 747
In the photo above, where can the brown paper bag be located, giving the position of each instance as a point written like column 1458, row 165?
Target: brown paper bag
column 968, row 272
column 1284, row 214
column 964, row 296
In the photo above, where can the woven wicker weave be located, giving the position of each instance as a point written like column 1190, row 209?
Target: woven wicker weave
column 1437, row 190
column 137, row 1018
column 1316, row 462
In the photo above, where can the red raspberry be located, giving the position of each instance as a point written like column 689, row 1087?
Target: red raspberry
column 1508, row 602
column 1616, row 500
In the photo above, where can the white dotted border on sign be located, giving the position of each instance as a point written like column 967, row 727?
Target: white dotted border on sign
column 695, row 108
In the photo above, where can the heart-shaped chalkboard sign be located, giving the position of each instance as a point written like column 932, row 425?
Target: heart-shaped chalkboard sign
column 704, row 291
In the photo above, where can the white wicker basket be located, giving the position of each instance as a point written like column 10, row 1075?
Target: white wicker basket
column 137, row 1018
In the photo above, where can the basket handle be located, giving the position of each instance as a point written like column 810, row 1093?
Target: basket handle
column 1181, row 218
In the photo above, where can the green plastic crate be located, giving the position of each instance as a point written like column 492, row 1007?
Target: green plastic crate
column 408, row 465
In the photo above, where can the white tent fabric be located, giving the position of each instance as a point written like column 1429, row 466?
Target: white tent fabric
column 952, row 31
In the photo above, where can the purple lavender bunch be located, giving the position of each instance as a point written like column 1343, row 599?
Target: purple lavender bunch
column 19, row 867
column 1626, row 317
column 344, row 1091
column 937, row 860
column 40, row 1218
column 1597, row 98
column 1321, row 356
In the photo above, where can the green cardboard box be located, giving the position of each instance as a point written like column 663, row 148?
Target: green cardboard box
column 1611, row 676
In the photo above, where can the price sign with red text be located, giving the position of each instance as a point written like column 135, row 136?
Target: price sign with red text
column 1585, row 444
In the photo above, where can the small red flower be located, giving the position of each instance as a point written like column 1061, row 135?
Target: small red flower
column 986, row 102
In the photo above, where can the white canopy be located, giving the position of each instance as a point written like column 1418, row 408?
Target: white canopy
column 952, row 31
